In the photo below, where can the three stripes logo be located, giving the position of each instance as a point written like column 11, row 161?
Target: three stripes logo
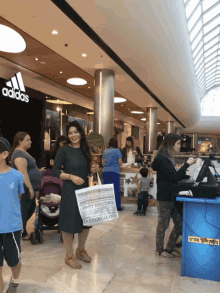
column 17, row 90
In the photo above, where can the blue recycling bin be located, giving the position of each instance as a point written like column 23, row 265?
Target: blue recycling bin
column 201, row 238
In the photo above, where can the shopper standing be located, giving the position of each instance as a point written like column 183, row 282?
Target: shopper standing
column 59, row 143
column 167, row 175
column 26, row 164
column 75, row 156
column 111, row 161
column 11, row 182
column 143, row 188
column 130, row 153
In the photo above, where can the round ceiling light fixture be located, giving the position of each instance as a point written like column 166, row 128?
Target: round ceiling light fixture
column 36, row 59
column 137, row 112
column 77, row 81
column 119, row 100
column 54, row 32
column 61, row 72
column 84, row 55
column 11, row 41
column 143, row 119
column 158, row 123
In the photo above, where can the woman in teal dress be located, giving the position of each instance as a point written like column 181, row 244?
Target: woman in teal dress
column 75, row 157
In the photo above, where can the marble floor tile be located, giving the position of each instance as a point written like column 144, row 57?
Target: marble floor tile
column 124, row 261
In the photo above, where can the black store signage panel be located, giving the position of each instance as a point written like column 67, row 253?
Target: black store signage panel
column 27, row 115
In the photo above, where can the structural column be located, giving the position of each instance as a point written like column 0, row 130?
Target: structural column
column 170, row 127
column 104, row 103
column 178, row 130
column 151, row 130
column 195, row 142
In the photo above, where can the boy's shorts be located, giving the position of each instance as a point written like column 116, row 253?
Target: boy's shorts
column 10, row 248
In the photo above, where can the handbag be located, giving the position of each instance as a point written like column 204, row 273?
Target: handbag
column 97, row 203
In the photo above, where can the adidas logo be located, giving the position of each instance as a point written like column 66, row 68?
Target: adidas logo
column 17, row 86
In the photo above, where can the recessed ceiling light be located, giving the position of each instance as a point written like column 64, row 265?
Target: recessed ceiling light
column 11, row 41
column 143, row 119
column 119, row 100
column 58, row 109
column 84, row 55
column 54, row 32
column 90, row 113
column 137, row 112
column 61, row 72
column 89, row 87
column 77, row 81
column 58, row 101
column 158, row 123
column 36, row 59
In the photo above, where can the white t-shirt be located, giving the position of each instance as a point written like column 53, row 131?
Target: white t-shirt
column 130, row 158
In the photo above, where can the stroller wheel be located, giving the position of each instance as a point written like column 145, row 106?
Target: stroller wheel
column 33, row 238
column 41, row 237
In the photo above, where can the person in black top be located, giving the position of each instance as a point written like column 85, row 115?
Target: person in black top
column 59, row 143
column 130, row 153
column 76, row 158
column 167, row 175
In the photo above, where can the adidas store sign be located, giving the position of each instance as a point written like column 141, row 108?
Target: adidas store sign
column 17, row 90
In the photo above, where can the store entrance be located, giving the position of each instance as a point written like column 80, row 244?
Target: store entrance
column 16, row 116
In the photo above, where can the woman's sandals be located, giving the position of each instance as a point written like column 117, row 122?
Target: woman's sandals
column 72, row 262
column 83, row 255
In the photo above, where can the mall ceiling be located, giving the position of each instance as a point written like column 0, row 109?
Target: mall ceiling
column 149, row 37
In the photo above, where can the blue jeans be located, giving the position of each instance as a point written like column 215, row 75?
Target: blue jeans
column 113, row 178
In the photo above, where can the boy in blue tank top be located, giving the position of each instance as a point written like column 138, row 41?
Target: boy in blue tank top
column 143, row 187
column 11, row 188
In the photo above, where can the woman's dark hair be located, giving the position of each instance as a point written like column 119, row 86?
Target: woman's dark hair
column 144, row 172
column 83, row 142
column 57, row 146
column 166, row 147
column 113, row 143
column 130, row 138
column 18, row 138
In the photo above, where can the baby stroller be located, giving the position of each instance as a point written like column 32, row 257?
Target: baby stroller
column 47, row 212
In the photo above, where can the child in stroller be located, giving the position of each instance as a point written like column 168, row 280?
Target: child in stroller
column 47, row 211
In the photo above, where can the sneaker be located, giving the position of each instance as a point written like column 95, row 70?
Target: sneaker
column 174, row 252
column 143, row 213
column 165, row 254
column 179, row 244
column 119, row 209
column 25, row 235
column 12, row 287
column 137, row 213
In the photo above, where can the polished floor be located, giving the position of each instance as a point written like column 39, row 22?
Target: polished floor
column 124, row 261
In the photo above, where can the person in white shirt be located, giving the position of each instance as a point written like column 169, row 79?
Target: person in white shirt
column 130, row 153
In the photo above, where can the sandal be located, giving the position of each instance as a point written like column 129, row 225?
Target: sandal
column 83, row 255
column 72, row 262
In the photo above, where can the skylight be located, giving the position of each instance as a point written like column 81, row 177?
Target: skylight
column 203, row 17
column 210, row 104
